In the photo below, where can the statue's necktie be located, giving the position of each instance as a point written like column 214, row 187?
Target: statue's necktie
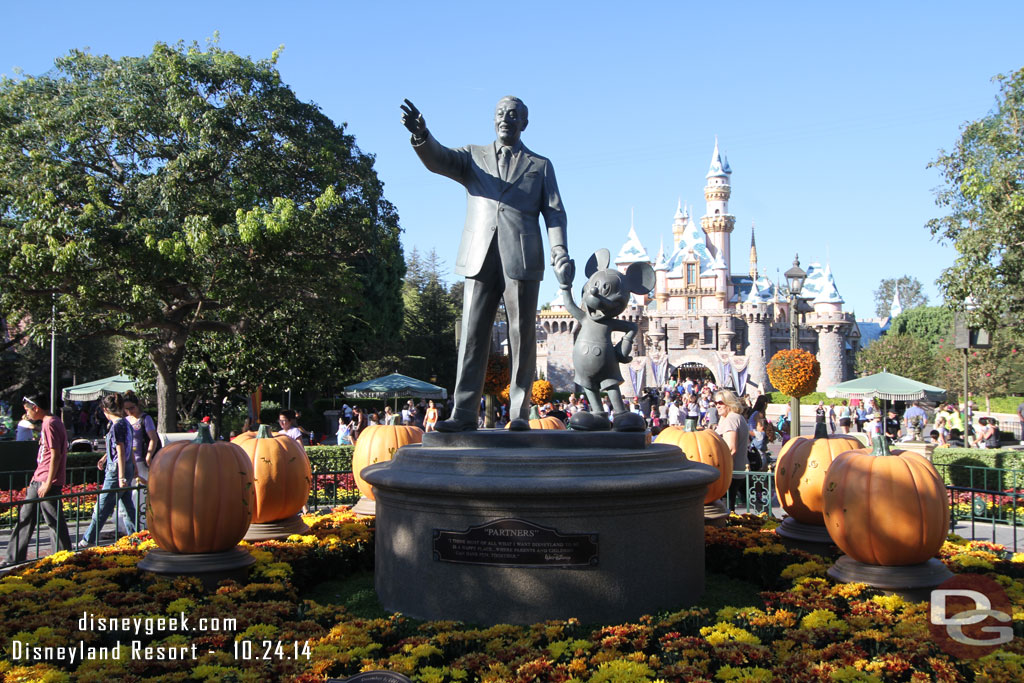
column 505, row 155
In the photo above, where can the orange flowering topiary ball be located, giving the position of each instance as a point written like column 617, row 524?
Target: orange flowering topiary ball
column 794, row 372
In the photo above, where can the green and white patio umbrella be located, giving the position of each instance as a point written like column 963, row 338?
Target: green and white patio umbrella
column 888, row 387
column 90, row 391
column 394, row 386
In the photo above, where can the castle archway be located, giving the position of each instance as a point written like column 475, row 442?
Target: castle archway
column 695, row 364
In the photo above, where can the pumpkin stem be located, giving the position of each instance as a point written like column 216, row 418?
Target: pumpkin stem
column 689, row 425
column 820, row 431
column 881, row 446
column 203, row 434
column 264, row 432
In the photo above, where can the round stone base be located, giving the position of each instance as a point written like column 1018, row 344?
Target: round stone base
column 366, row 507
column 810, row 538
column 716, row 514
column 210, row 568
column 494, row 527
column 912, row 582
column 277, row 530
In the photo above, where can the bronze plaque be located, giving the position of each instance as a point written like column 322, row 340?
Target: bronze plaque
column 515, row 543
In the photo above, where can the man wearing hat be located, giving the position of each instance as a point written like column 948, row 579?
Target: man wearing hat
column 48, row 479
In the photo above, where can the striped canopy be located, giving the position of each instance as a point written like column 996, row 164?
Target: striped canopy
column 393, row 386
column 888, row 386
column 90, row 391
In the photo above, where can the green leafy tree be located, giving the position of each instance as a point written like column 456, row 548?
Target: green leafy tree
column 984, row 197
column 900, row 354
column 911, row 294
column 428, row 333
column 930, row 324
column 990, row 372
column 188, row 192
column 25, row 364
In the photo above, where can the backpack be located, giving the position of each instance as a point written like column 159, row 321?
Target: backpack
column 755, row 460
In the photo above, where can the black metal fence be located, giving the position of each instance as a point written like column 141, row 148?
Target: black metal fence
column 985, row 501
column 330, row 488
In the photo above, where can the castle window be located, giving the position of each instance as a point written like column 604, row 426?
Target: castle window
column 717, row 211
column 691, row 303
column 691, row 273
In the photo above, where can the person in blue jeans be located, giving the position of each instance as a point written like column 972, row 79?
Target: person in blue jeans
column 118, row 465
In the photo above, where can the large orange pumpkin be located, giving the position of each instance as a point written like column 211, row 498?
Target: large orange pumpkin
column 201, row 495
column 800, row 473
column 282, row 474
column 885, row 507
column 707, row 447
column 545, row 423
column 378, row 443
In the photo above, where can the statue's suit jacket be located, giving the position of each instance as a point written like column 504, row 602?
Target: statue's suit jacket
column 509, row 209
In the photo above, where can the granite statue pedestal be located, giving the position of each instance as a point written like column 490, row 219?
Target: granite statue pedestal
column 519, row 527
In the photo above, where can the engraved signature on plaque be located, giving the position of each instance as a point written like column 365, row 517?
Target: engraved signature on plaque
column 515, row 543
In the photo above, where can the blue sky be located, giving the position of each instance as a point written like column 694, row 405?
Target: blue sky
column 829, row 112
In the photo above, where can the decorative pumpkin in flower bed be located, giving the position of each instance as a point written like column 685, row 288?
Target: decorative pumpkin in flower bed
column 794, row 372
column 545, row 423
column 201, row 495
column 379, row 443
column 282, row 473
column 885, row 507
column 800, row 474
column 703, row 446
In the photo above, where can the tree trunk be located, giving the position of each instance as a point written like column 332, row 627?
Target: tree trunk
column 166, row 399
column 490, row 406
column 166, row 358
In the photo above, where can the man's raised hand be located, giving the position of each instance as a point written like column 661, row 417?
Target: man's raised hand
column 412, row 119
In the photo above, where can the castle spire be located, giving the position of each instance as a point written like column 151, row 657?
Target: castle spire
column 718, row 168
column 633, row 250
column 753, row 254
column 897, row 306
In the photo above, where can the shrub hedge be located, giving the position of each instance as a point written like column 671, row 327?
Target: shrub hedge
column 960, row 464
column 330, row 458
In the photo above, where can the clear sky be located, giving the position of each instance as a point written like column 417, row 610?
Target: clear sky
column 829, row 112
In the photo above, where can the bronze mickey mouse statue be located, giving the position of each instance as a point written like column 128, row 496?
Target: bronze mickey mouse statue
column 595, row 358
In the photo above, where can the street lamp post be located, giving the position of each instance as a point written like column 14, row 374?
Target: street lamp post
column 795, row 277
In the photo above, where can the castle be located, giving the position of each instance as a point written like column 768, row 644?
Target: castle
column 704, row 319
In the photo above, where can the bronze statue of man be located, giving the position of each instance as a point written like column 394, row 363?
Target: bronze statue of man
column 501, row 253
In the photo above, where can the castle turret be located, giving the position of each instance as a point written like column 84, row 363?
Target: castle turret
column 661, row 278
column 717, row 222
column 831, row 323
column 679, row 223
column 759, row 324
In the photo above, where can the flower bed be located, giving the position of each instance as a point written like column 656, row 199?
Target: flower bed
column 80, row 506
column 805, row 628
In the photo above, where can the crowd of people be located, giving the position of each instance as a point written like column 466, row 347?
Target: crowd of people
column 130, row 443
